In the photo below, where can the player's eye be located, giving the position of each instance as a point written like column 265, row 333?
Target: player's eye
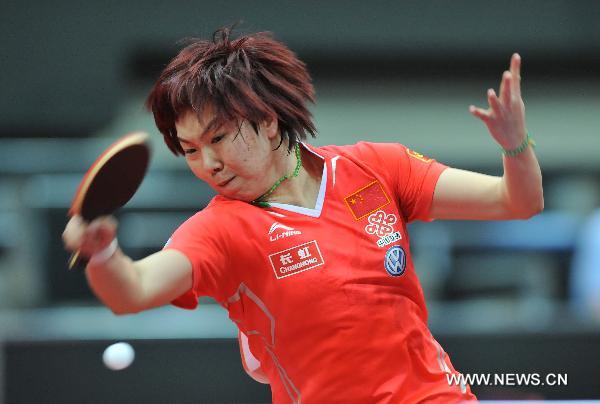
column 189, row 151
column 217, row 139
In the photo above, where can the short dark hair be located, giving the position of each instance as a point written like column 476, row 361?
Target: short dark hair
column 254, row 78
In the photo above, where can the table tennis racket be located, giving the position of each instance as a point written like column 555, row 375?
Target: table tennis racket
column 112, row 180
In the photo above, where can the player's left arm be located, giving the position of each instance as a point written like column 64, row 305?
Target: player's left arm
column 518, row 194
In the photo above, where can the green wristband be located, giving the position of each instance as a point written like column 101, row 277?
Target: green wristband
column 521, row 148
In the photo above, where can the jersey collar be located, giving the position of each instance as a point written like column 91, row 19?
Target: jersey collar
column 316, row 211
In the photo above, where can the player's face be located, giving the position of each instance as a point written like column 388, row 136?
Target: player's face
column 234, row 161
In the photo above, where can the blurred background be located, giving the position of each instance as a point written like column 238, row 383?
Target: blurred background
column 519, row 296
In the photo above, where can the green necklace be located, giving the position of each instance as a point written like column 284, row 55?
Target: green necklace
column 260, row 201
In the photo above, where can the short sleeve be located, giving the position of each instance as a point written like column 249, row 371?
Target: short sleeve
column 411, row 175
column 417, row 178
column 200, row 240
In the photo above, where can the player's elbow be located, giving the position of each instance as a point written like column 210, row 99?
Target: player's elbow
column 123, row 310
column 529, row 210
column 119, row 311
column 537, row 206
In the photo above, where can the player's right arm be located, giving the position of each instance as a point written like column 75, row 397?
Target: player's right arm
column 124, row 285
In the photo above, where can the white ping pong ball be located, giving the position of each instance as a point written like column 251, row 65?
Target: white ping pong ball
column 118, row 356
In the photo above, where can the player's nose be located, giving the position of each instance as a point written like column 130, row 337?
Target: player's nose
column 211, row 163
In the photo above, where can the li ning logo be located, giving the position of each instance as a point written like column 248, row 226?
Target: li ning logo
column 279, row 231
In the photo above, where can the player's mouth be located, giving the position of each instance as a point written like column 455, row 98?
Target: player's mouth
column 224, row 183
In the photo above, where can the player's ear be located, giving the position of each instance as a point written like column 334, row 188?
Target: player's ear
column 269, row 127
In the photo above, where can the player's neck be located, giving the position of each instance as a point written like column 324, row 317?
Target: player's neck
column 302, row 190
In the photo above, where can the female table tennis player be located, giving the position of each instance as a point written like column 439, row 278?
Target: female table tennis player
column 306, row 247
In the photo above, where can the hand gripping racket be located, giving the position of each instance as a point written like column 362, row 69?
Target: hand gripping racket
column 112, row 180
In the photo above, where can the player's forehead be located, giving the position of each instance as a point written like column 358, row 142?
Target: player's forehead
column 192, row 125
column 190, row 121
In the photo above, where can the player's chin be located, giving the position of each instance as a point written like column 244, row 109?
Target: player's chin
column 237, row 189
column 235, row 193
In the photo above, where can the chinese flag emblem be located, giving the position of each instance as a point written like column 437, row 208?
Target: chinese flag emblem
column 367, row 200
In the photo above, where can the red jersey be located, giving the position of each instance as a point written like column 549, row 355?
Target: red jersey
column 327, row 299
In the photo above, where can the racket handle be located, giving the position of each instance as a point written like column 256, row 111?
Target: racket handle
column 74, row 259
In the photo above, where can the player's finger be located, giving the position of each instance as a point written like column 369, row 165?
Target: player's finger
column 108, row 221
column 480, row 113
column 505, row 89
column 105, row 224
column 103, row 230
column 515, row 70
column 515, row 65
column 73, row 233
column 98, row 235
column 493, row 101
column 75, row 221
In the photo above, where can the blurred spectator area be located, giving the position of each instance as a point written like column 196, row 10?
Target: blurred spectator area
column 67, row 65
column 75, row 79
